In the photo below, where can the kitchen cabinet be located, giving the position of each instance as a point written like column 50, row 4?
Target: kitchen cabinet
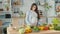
column 3, row 12
column 15, row 6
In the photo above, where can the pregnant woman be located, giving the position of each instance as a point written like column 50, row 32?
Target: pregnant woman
column 32, row 16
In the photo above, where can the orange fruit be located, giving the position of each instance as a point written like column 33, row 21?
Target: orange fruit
column 28, row 31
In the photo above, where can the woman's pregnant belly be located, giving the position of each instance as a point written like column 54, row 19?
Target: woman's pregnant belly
column 34, row 21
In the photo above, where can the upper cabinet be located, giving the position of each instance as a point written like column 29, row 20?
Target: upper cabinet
column 15, row 2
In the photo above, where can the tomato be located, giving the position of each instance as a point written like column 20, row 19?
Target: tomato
column 46, row 28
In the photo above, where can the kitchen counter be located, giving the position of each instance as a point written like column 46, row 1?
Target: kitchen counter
column 15, row 23
column 13, row 31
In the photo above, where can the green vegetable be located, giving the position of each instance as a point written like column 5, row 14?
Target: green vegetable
column 21, row 30
column 55, row 21
column 36, row 29
column 47, row 6
column 57, row 28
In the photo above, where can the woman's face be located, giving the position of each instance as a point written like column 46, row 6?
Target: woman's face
column 33, row 8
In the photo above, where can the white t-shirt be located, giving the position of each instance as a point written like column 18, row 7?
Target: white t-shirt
column 31, row 18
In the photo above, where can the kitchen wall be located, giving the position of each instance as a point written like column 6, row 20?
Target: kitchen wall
column 51, row 12
column 26, row 5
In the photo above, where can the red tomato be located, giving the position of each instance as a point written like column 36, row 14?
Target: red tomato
column 46, row 28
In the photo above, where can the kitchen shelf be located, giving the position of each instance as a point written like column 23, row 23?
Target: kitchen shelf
column 16, row 4
column 5, row 21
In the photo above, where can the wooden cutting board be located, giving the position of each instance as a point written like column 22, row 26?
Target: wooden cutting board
column 0, row 27
column 0, row 22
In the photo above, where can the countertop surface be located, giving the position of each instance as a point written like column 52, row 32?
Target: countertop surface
column 13, row 31
column 15, row 23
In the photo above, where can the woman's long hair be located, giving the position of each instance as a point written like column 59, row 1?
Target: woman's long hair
column 36, row 10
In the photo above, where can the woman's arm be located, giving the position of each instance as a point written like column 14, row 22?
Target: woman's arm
column 28, row 18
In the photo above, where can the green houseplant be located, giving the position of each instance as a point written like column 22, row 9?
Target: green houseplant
column 47, row 7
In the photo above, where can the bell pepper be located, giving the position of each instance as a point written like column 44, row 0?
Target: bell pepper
column 46, row 28
column 41, row 27
column 28, row 31
column 51, row 28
